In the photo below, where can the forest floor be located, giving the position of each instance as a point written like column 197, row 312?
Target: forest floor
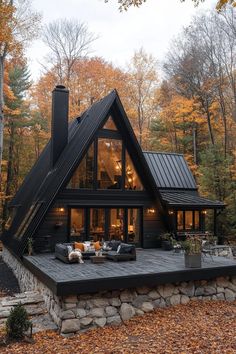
column 200, row 327
column 8, row 282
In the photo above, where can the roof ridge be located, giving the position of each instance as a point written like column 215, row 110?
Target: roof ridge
column 163, row 153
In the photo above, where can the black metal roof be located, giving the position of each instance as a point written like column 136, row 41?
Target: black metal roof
column 42, row 184
column 170, row 170
column 186, row 199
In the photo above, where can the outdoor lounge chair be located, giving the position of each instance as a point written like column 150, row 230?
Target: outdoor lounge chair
column 124, row 252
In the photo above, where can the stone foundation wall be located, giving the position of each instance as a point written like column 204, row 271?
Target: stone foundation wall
column 78, row 313
column 28, row 282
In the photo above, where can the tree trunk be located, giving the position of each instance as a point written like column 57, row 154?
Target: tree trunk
column 195, row 159
column 210, row 127
column 9, row 175
column 1, row 112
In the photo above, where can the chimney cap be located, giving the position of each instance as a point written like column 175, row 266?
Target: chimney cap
column 60, row 87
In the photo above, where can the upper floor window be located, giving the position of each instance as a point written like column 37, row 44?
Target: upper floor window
column 109, row 166
column 110, row 124
column 132, row 180
column 83, row 176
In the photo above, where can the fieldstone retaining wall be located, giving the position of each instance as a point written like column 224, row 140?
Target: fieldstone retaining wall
column 75, row 313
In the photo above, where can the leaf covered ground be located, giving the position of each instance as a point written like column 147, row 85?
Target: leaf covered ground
column 199, row 327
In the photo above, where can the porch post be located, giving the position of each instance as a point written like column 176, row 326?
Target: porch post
column 215, row 223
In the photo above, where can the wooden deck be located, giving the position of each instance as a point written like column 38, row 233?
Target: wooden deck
column 152, row 267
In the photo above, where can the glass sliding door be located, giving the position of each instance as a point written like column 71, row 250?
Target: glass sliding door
column 97, row 224
column 134, row 226
column 77, row 224
column 116, row 225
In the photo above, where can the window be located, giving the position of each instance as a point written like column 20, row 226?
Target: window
column 110, row 124
column 133, row 225
column 12, row 214
column 109, row 170
column 97, row 224
column 116, row 224
column 77, row 227
column 188, row 220
column 180, row 220
column 132, row 180
column 83, row 176
column 196, row 220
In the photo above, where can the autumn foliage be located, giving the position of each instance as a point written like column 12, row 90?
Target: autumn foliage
column 196, row 328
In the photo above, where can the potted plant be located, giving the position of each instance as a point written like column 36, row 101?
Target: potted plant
column 192, row 255
column 167, row 241
column 30, row 246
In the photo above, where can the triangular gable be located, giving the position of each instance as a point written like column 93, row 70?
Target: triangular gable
column 84, row 132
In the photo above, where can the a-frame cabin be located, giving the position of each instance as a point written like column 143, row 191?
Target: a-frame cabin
column 93, row 182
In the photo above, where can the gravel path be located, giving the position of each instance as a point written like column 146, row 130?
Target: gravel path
column 8, row 282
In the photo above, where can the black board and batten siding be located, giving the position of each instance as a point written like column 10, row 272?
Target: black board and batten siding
column 153, row 227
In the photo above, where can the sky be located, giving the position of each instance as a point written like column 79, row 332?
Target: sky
column 152, row 27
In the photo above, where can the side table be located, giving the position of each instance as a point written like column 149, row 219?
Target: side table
column 97, row 259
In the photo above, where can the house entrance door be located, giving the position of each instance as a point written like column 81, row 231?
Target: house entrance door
column 100, row 224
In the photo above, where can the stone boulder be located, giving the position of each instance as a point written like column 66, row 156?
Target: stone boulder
column 126, row 311
column 70, row 326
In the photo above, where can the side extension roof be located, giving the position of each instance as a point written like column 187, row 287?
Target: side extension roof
column 170, row 170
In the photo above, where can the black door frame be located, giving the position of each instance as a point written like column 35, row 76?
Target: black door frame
column 106, row 227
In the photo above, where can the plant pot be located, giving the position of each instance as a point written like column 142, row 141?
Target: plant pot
column 193, row 260
column 166, row 245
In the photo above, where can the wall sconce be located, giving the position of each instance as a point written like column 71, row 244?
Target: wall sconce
column 61, row 210
column 170, row 212
column 151, row 211
column 204, row 212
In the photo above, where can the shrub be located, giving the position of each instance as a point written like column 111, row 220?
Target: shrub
column 17, row 322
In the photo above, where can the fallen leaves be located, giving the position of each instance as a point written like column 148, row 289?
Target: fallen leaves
column 199, row 327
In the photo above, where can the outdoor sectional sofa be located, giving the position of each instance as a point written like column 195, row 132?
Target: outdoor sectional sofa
column 114, row 251
column 61, row 252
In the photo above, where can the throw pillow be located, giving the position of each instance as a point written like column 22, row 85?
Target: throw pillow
column 69, row 249
column 97, row 246
column 79, row 246
column 86, row 247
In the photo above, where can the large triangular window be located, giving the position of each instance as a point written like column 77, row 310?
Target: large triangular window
column 132, row 180
column 110, row 124
column 83, row 176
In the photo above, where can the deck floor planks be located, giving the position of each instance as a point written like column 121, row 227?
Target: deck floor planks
column 163, row 266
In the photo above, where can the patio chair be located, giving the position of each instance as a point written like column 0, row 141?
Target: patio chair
column 206, row 249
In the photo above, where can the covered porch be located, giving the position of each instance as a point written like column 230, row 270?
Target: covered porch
column 187, row 212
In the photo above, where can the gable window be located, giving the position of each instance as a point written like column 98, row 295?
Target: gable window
column 83, row 176
column 106, row 165
column 132, row 180
column 109, row 165
column 110, row 124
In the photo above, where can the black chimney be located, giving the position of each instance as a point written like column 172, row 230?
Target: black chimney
column 59, row 125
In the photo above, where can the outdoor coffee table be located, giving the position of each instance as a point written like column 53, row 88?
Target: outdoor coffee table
column 97, row 259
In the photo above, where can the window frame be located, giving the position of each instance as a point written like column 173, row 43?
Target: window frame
column 108, row 134
column 193, row 220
